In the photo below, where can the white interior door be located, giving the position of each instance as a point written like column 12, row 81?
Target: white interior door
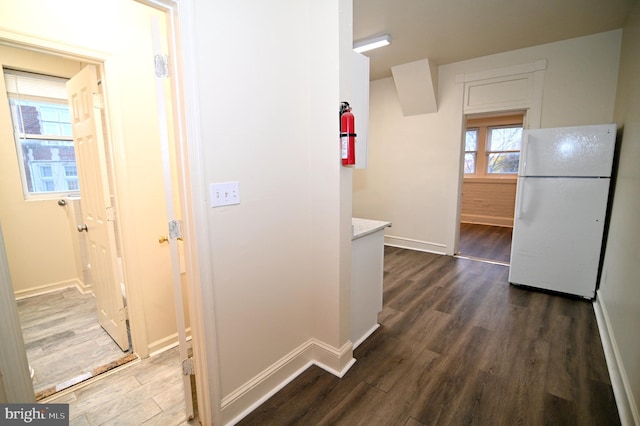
column 97, row 210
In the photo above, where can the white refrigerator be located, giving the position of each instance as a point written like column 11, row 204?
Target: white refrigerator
column 561, row 205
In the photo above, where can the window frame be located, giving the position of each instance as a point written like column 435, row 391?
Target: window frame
column 58, row 167
column 483, row 124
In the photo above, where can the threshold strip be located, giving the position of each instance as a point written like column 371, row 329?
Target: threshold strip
column 480, row 259
column 85, row 376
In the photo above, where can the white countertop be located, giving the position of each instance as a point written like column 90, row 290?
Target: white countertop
column 362, row 227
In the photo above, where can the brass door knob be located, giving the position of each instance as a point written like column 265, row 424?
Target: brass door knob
column 165, row 238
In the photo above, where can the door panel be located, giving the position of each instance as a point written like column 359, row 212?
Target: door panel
column 568, row 151
column 96, row 205
column 557, row 233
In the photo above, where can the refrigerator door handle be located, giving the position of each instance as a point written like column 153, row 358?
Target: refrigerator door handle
column 519, row 195
column 522, row 169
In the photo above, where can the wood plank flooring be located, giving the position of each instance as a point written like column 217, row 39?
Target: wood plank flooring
column 64, row 342
column 146, row 392
column 459, row 345
column 485, row 242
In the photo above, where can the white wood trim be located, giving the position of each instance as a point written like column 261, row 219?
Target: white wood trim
column 520, row 93
column 530, row 67
column 412, row 244
column 51, row 287
column 627, row 408
column 193, row 204
column 197, row 254
column 168, row 342
column 365, row 336
column 239, row 403
column 26, row 41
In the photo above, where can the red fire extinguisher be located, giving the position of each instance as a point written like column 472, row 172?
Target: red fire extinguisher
column 347, row 135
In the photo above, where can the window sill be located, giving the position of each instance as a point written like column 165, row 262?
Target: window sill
column 486, row 179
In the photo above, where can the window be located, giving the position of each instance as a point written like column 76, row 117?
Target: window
column 42, row 129
column 470, row 151
column 492, row 146
column 503, row 149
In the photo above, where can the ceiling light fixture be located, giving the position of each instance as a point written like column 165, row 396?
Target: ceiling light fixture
column 372, row 43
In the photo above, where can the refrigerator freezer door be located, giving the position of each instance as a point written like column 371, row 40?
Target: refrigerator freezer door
column 568, row 151
column 557, row 234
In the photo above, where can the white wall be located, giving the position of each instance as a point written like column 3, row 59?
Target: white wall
column 619, row 294
column 269, row 84
column 414, row 162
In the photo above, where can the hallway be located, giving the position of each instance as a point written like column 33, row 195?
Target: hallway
column 459, row 345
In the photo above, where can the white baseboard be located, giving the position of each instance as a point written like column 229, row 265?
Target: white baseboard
column 239, row 403
column 365, row 336
column 627, row 408
column 411, row 244
column 166, row 343
column 51, row 287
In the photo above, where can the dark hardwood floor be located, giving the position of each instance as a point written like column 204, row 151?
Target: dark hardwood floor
column 459, row 345
column 485, row 242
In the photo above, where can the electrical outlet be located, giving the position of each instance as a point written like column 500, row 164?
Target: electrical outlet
column 224, row 194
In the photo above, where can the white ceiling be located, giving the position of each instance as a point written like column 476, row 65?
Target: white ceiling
column 447, row 31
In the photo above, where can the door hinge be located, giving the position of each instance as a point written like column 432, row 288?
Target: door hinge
column 188, row 367
column 98, row 101
column 161, row 63
column 111, row 214
column 175, row 229
column 124, row 314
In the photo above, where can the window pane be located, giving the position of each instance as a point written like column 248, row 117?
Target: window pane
column 41, row 117
column 471, row 141
column 47, row 186
column 72, row 185
column 505, row 139
column 47, row 164
column 503, row 163
column 70, row 170
column 470, row 162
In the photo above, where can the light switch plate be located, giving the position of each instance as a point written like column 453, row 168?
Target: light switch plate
column 224, row 194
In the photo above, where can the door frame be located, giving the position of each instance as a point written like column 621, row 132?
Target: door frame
column 530, row 104
column 186, row 114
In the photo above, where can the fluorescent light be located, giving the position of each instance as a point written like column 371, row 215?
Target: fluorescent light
column 372, row 43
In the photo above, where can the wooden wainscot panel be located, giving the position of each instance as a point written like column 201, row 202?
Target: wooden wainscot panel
column 488, row 201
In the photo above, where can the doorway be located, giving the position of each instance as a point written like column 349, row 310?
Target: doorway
column 490, row 163
column 55, row 281
column 140, row 200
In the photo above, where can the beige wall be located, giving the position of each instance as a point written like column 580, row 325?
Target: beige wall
column 414, row 162
column 619, row 292
column 38, row 238
column 120, row 34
